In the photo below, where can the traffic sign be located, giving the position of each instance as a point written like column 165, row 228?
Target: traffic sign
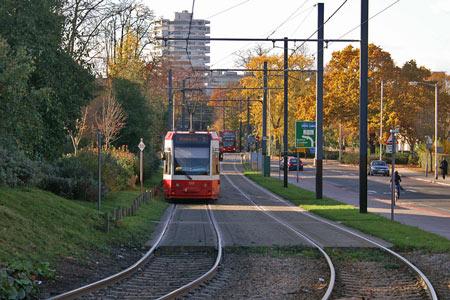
column 305, row 134
column 389, row 140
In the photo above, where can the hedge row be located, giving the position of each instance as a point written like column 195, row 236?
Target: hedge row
column 75, row 176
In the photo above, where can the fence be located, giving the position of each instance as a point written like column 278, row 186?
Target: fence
column 122, row 212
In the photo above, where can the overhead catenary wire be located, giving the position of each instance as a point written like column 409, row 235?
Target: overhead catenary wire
column 287, row 19
column 188, row 35
column 370, row 18
column 227, row 9
column 265, row 34
column 329, row 18
column 309, row 10
column 381, row 11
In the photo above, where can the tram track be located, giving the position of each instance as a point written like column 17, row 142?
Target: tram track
column 408, row 282
column 161, row 273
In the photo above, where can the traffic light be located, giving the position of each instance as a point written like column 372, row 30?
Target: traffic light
column 257, row 138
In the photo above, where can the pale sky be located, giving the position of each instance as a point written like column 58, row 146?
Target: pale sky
column 409, row 29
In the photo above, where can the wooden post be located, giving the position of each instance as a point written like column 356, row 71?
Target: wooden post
column 119, row 213
column 106, row 216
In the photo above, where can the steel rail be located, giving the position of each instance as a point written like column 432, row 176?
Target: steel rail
column 116, row 277
column 296, row 231
column 208, row 275
column 424, row 280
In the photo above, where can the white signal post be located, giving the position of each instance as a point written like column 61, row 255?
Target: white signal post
column 141, row 147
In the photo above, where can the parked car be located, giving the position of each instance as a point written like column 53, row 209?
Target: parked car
column 378, row 167
column 292, row 164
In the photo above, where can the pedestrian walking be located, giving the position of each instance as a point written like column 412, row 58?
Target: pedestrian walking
column 444, row 168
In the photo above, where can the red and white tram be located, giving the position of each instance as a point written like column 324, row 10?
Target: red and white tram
column 191, row 165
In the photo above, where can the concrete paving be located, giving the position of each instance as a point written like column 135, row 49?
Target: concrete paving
column 243, row 224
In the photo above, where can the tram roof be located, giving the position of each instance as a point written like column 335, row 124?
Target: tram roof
column 170, row 134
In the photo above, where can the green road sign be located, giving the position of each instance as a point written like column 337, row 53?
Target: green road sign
column 305, row 134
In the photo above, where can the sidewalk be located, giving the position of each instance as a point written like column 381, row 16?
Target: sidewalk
column 420, row 175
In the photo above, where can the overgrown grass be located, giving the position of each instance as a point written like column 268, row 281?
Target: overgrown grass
column 404, row 237
column 39, row 226
column 278, row 251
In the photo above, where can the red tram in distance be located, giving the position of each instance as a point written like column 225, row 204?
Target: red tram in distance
column 227, row 140
column 191, row 165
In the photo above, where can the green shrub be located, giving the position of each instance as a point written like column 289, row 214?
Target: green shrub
column 350, row 158
column 118, row 166
column 68, row 178
column 400, row 158
column 16, row 169
column 151, row 162
column 327, row 154
column 20, row 280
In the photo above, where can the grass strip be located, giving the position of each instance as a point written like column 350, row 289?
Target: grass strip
column 404, row 237
column 38, row 226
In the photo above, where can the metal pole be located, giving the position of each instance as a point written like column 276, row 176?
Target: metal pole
column 340, row 141
column 141, row 171
column 436, row 131
column 266, row 163
column 394, row 149
column 240, row 128
column 363, row 95
column 270, row 136
column 99, row 145
column 319, row 104
column 381, row 123
column 264, row 116
column 298, row 163
column 248, row 123
column 170, row 101
column 285, row 137
column 183, row 125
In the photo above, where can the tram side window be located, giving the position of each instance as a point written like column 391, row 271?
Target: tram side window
column 168, row 163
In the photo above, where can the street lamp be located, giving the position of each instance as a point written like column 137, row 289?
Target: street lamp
column 381, row 123
column 435, row 122
column 381, row 119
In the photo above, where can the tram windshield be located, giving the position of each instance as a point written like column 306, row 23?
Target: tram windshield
column 191, row 155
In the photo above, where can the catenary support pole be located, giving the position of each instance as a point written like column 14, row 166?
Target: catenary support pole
column 183, row 107
column 170, row 101
column 363, row 94
column 319, row 104
column 436, row 131
column 240, row 128
column 285, row 137
column 381, row 123
column 248, row 123
column 264, row 113
column 394, row 149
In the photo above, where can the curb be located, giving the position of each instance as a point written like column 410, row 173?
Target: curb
column 427, row 180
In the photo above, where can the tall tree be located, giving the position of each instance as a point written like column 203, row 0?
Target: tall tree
column 341, row 84
column 110, row 119
column 36, row 27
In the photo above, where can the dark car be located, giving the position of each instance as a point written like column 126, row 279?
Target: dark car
column 378, row 167
column 292, row 164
